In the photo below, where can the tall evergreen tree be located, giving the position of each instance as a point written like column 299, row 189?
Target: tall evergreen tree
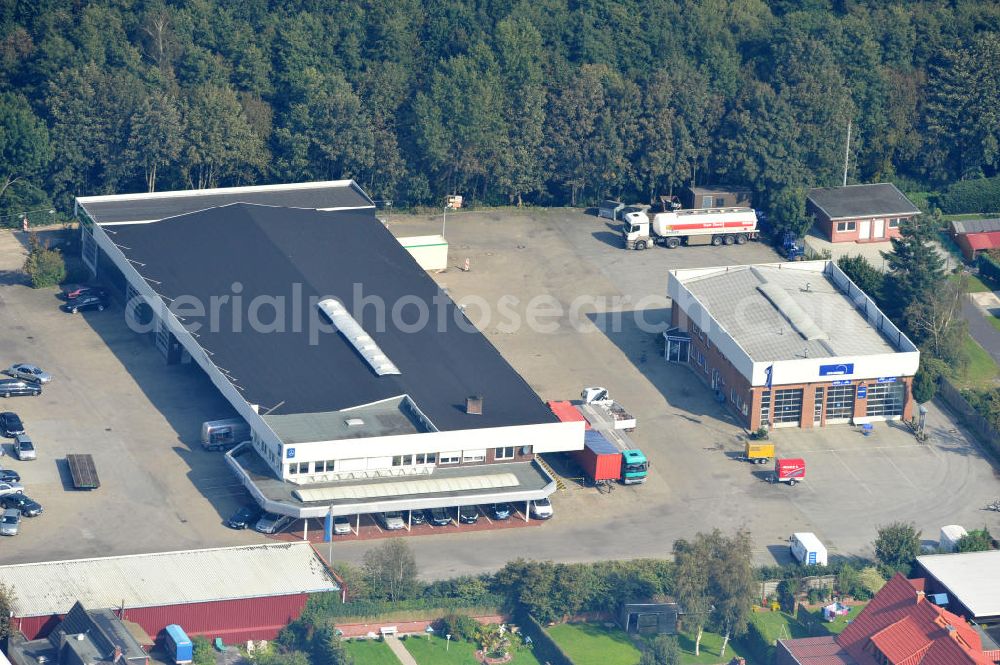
column 915, row 267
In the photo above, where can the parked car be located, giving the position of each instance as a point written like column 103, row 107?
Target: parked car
column 271, row 523
column 9, row 476
column 468, row 514
column 10, row 522
column 541, row 509
column 74, row 291
column 11, row 423
column 85, row 302
column 244, row 517
column 28, row 373
column 440, row 517
column 418, row 517
column 392, row 520
column 501, row 511
column 11, row 488
column 342, row 526
column 28, row 506
column 19, row 387
column 24, row 449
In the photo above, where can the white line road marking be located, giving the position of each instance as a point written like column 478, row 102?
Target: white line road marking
column 853, row 475
column 905, row 477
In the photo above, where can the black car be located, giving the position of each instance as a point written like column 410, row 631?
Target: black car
column 16, row 387
column 244, row 518
column 468, row 514
column 91, row 301
column 9, row 476
column 501, row 511
column 28, row 507
column 418, row 517
column 10, row 424
column 440, row 517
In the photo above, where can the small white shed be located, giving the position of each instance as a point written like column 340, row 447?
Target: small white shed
column 950, row 535
column 431, row 252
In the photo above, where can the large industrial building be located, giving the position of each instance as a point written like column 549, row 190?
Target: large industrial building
column 236, row 593
column 366, row 388
column 790, row 345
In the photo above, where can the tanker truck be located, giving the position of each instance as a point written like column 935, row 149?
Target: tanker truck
column 698, row 226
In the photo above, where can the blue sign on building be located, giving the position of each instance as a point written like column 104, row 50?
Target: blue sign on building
column 841, row 382
column 862, row 392
column 289, row 453
column 843, row 369
column 886, row 379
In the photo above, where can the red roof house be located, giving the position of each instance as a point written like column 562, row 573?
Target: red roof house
column 899, row 627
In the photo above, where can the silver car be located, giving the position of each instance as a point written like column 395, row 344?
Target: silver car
column 24, row 449
column 11, row 488
column 342, row 525
column 28, row 373
column 10, row 522
column 271, row 523
column 392, row 520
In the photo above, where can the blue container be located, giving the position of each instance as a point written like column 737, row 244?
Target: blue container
column 178, row 645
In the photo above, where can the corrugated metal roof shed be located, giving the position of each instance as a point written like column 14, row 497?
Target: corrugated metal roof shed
column 168, row 578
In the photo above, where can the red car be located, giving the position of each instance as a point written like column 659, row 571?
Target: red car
column 73, row 291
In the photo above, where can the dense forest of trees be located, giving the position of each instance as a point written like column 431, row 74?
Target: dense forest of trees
column 505, row 101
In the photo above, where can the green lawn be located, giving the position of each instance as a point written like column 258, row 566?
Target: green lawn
column 437, row 651
column 710, row 645
column 370, row 652
column 591, row 644
column 973, row 283
column 982, row 371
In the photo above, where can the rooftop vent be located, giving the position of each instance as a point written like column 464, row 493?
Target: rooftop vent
column 356, row 335
column 354, row 422
column 474, row 405
column 80, row 637
column 800, row 320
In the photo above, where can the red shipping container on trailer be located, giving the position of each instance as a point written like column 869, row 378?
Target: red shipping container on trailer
column 599, row 458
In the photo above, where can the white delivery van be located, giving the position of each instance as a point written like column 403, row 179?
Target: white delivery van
column 807, row 549
column 224, row 434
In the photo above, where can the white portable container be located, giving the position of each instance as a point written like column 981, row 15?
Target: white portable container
column 807, row 549
column 950, row 535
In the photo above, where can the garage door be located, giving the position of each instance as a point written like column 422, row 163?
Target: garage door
column 839, row 404
column 787, row 407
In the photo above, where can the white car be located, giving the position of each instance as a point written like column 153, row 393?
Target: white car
column 342, row 525
column 11, row 488
column 28, row 373
column 541, row 509
column 392, row 520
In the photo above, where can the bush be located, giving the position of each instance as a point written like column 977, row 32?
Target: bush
column 44, row 266
column 203, row 654
column 459, row 626
column 969, row 196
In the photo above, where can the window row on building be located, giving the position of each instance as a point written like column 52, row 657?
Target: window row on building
column 413, row 460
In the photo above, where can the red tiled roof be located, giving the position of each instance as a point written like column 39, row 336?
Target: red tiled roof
column 910, row 630
column 985, row 240
column 817, row 651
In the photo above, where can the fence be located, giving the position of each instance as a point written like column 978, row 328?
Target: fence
column 770, row 587
column 969, row 416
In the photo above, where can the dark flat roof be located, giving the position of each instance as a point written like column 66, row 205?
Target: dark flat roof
column 862, row 201
column 147, row 207
column 273, row 252
column 975, row 225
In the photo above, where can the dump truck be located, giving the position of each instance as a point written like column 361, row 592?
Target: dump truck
column 789, row 470
column 700, row 226
column 608, row 453
column 758, row 453
column 603, row 412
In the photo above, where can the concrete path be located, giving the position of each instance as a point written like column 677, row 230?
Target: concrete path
column 975, row 309
column 399, row 650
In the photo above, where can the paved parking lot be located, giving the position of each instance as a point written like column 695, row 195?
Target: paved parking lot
column 111, row 396
column 114, row 397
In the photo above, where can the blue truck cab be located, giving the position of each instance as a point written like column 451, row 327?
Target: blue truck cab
column 635, row 467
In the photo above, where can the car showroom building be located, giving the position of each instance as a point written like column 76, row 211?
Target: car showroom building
column 790, row 344
column 365, row 386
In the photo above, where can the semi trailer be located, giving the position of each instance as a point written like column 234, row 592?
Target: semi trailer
column 607, row 453
column 700, row 226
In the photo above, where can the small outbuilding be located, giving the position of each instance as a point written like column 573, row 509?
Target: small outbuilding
column 975, row 236
column 860, row 213
column 649, row 618
column 718, row 196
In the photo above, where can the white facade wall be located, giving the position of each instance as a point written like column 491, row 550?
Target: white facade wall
column 430, row 252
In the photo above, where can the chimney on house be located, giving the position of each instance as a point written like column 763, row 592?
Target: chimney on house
column 118, row 654
column 920, row 597
column 474, row 405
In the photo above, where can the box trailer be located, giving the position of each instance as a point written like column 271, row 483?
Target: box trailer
column 789, row 470
column 178, row 645
column 807, row 549
column 758, row 453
